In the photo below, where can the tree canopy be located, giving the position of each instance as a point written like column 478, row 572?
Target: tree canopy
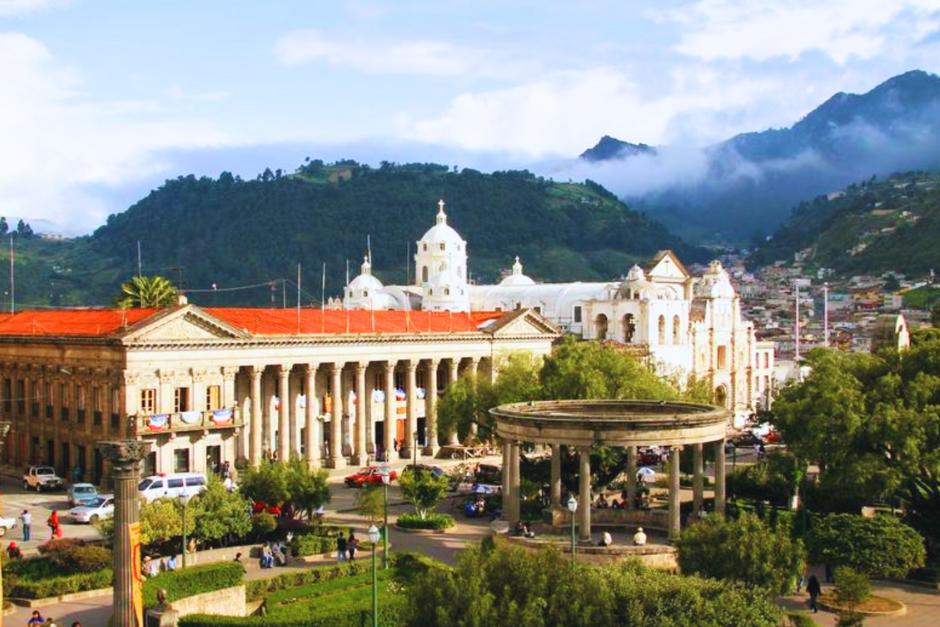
column 146, row 291
column 292, row 483
column 423, row 490
column 881, row 546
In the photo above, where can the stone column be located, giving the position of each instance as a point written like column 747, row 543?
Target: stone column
column 230, row 399
column 283, row 414
column 312, row 430
column 267, row 409
column 631, row 477
column 674, row 526
column 257, row 425
column 411, row 428
column 507, row 463
column 391, row 418
column 515, row 481
column 474, row 370
column 720, row 477
column 584, row 496
column 556, row 475
column 361, row 456
column 698, row 478
column 453, row 372
column 336, row 418
column 124, row 457
column 431, row 447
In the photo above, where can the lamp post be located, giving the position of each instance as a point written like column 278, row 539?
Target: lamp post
column 4, row 429
column 572, row 507
column 385, row 472
column 374, row 538
column 415, row 448
column 183, row 505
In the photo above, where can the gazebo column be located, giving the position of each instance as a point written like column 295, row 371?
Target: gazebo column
column 631, row 477
column 361, row 456
column 430, row 411
column 584, row 496
column 514, row 483
column 698, row 480
column 556, row 475
column 507, row 460
column 674, row 527
column 336, row 418
column 720, row 477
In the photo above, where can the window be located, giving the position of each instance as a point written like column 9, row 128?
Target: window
column 577, row 313
column 8, row 395
column 446, row 291
column 178, row 483
column 442, row 245
column 365, row 293
column 600, row 326
column 21, row 397
column 424, row 246
column 181, row 399
column 34, row 401
column 675, row 329
column 537, row 309
column 399, row 381
column 195, row 481
column 180, row 464
column 148, row 401
column 97, row 397
column 424, row 272
column 722, row 357
column 213, row 397
column 662, row 329
column 378, row 381
column 766, row 360
column 48, row 395
column 629, row 328
column 518, row 306
column 419, row 378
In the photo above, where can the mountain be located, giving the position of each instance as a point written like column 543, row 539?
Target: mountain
column 231, row 232
column 746, row 186
column 612, row 148
column 872, row 227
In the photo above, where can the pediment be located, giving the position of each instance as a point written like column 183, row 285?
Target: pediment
column 523, row 322
column 186, row 323
column 666, row 266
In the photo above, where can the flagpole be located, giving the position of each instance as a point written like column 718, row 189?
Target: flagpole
column 322, row 300
column 298, row 298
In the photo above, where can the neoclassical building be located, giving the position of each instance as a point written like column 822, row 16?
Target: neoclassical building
column 689, row 327
column 209, row 385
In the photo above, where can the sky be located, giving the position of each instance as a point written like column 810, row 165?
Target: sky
column 100, row 100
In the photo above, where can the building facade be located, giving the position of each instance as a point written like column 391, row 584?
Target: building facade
column 206, row 386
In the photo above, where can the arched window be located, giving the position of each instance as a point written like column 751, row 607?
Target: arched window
column 365, row 293
column 629, row 328
column 424, row 273
column 431, row 291
column 600, row 326
column 446, row 291
column 424, row 246
column 442, row 245
column 662, row 329
column 676, row 331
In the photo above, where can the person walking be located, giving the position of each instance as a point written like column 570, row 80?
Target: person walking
column 26, row 520
column 341, row 547
column 352, row 545
column 55, row 527
column 814, row 590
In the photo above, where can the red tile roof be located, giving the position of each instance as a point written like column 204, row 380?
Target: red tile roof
column 78, row 322
column 256, row 321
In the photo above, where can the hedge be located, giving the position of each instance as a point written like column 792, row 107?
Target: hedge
column 319, row 540
column 432, row 520
column 180, row 584
column 26, row 587
column 258, row 588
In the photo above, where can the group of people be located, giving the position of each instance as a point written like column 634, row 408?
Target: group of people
column 346, row 547
column 524, row 529
column 151, row 567
column 273, row 554
column 640, row 501
column 639, row 538
column 37, row 620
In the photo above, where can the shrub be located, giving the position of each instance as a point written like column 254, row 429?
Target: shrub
column 432, row 520
column 423, row 489
column 72, row 556
column 317, row 540
column 28, row 587
column 881, row 546
column 180, row 584
column 852, row 588
column 258, row 588
column 262, row 524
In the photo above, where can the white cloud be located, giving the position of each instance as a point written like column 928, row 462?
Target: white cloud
column 59, row 145
column 19, row 7
column 762, row 30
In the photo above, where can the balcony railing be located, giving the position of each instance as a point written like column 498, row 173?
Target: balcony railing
column 176, row 422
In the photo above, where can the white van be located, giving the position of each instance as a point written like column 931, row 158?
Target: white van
column 172, row 485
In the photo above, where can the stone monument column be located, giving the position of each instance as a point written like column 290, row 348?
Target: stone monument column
column 631, row 478
column 698, row 479
column 556, row 475
column 675, row 526
column 584, row 496
column 125, row 457
column 720, row 477
column 515, row 483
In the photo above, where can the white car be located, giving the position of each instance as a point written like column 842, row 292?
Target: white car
column 101, row 508
column 6, row 524
column 40, row 478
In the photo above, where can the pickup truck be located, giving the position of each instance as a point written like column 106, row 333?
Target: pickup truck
column 41, row 478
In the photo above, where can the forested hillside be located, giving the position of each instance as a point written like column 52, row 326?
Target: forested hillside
column 875, row 226
column 233, row 232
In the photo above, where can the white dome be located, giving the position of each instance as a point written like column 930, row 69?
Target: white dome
column 365, row 281
column 636, row 286
column 442, row 233
column 716, row 283
column 366, row 291
column 517, row 277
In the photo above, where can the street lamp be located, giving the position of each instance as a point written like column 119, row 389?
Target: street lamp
column 4, row 429
column 385, row 473
column 415, row 451
column 572, row 507
column 182, row 498
column 374, row 539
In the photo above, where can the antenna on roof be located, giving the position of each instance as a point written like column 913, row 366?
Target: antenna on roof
column 369, row 246
column 12, row 279
column 139, row 265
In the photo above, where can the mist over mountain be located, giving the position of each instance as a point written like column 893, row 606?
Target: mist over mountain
column 747, row 185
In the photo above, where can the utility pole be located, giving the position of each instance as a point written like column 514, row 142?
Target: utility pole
column 826, row 314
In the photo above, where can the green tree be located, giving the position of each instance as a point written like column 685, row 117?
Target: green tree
column 24, row 230
column 934, row 313
column 4, row 227
column 162, row 520
column 852, row 589
column 308, row 488
column 744, row 550
column 370, row 502
column 147, row 291
column 881, row 546
column 220, row 513
column 423, row 490
column 267, row 483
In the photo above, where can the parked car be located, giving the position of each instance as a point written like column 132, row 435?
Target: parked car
column 648, row 457
column 41, row 478
column 371, row 476
column 746, row 438
column 82, row 494
column 100, row 508
column 172, row 485
column 437, row 471
column 6, row 524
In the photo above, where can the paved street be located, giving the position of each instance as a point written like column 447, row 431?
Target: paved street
column 15, row 500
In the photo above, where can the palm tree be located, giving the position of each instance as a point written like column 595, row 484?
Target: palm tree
column 147, row 291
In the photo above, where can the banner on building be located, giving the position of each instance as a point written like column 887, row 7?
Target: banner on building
column 137, row 597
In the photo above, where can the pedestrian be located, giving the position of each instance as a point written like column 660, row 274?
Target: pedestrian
column 14, row 551
column 341, row 546
column 352, row 546
column 171, row 563
column 814, row 590
column 55, row 526
column 26, row 520
column 36, row 618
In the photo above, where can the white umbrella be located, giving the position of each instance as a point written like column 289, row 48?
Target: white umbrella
column 645, row 472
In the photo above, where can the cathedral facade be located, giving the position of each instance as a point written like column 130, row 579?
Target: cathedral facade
column 688, row 327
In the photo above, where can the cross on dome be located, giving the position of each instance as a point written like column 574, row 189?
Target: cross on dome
column 366, row 265
column 517, row 267
column 441, row 216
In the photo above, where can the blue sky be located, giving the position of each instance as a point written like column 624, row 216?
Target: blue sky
column 102, row 100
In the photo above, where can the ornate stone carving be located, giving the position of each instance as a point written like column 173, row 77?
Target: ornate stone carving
column 124, row 452
column 167, row 376
column 199, row 374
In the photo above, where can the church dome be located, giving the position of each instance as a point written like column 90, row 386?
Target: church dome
column 365, row 280
column 366, row 291
column 716, row 283
column 441, row 236
column 517, row 277
column 636, row 286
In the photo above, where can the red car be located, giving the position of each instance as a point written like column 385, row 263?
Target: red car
column 368, row 476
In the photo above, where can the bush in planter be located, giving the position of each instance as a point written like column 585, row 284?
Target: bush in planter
column 432, row 520
column 27, row 585
column 70, row 556
column 180, row 584
column 317, row 540
column 262, row 524
column 258, row 588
